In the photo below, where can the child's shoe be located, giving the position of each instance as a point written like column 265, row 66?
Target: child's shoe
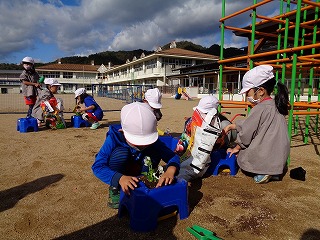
column 262, row 178
column 114, row 197
column 95, row 125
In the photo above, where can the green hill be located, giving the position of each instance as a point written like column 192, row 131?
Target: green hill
column 120, row 57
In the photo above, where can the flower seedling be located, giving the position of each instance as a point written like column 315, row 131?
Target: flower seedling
column 152, row 175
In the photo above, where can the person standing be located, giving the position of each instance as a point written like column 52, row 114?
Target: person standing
column 30, row 83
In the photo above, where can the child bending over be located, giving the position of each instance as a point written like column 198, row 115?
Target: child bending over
column 47, row 108
column 121, row 158
column 92, row 112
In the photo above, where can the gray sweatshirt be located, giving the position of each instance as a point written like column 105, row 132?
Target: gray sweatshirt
column 263, row 137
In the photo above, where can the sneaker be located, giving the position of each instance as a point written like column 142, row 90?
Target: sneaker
column 114, row 197
column 262, row 178
column 95, row 125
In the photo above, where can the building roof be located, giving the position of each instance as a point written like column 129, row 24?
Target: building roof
column 185, row 53
column 172, row 52
column 69, row 67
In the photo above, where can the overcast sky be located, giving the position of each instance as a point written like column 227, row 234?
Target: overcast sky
column 50, row 29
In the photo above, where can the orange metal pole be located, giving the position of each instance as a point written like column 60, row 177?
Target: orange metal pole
column 293, row 26
column 274, row 61
column 235, row 68
column 306, row 113
column 311, row 34
column 284, row 15
column 312, row 22
column 227, row 106
column 235, row 102
column 311, row 3
column 273, row 19
column 316, row 45
column 245, row 10
column 256, row 32
column 273, row 65
column 309, row 59
column 303, row 64
column 314, row 55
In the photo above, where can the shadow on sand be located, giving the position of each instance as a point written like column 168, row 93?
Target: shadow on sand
column 10, row 197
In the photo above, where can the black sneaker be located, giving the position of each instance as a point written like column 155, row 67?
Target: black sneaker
column 114, row 197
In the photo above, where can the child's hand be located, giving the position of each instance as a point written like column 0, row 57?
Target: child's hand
column 230, row 127
column 234, row 150
column 167, row 177
column 127, row 183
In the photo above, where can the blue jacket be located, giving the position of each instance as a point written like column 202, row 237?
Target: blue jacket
column 97, row 111
column 157, row 151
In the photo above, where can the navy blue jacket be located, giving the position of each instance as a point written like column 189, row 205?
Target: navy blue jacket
column 157, row 151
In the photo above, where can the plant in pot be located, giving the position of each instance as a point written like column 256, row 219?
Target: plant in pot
column 151, row 177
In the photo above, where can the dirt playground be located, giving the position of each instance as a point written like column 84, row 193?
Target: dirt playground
column 48, row 191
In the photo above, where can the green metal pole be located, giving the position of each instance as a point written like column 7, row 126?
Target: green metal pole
column 303, row 31
column 311, row 79
column 294, row 69
column 285, row 42
column 279, row 39
column 223, row 14
column 253, row 32
column 317, row 117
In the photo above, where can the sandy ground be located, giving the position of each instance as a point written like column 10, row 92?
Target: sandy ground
column 48, row 191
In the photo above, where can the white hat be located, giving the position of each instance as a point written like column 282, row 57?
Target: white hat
column 153, row 96
column 207, row 103
column 51, row 82
column 256, row 76
column 139, row 124
column 28, row 60
column 79, row 91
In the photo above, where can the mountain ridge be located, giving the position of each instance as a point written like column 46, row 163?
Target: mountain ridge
column 120, row 57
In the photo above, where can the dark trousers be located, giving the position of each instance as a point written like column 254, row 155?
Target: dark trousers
column 29, row 111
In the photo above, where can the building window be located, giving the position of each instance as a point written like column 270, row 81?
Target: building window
column 176, row 62
column 124, row 72
column 138, row 67
column 50, row 74
column 67, row 74
column 151, row 64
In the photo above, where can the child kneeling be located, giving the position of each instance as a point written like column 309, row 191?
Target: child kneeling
column 91, row 111
column 121, row 158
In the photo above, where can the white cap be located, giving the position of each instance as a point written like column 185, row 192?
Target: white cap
column 207, row 103
column 153, row 96
column 139, row 124
column 79, row 91
column 256, row 76
column 51, row 82
column 28, row 60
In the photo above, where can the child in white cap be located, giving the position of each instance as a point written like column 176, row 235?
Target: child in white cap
column 121, row 158
column 153, row 98
column 262, row 139
column 30, row 83
column 47, row 108
column 205, row 105
column 91, row 111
